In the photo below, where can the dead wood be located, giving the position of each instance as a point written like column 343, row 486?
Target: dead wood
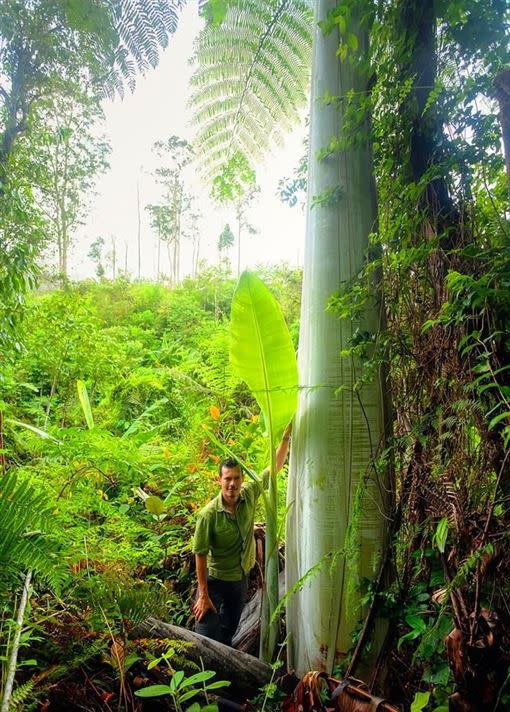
column 246, row 673
column 247, row 633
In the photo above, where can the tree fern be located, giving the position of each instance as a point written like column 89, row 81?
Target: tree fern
column 251, row 79
column 25, row 519
column 143, row 28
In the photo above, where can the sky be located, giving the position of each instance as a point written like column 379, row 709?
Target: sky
column 156, row 110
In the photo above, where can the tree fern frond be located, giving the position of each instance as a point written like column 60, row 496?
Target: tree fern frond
column 143, row 28
column 251, row 79
column 25, row 519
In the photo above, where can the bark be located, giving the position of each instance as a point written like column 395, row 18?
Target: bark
column 17, row 105
column 11, row 670
column 417, row 35
column 502, row 87
column 248, row 632
column 246, row 673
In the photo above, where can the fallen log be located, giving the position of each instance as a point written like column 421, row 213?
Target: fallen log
column 246, row 673
column 247, row 634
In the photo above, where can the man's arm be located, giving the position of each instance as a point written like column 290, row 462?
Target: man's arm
column 203, row 602
column 283, row 448
column 281, row 455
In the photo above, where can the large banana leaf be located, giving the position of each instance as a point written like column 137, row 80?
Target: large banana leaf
column 262, row 352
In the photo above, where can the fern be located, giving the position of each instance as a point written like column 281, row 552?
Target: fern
column 251, row 79
column 143, row 28
column 20, row 695
column 130, row 602
column 25, row 519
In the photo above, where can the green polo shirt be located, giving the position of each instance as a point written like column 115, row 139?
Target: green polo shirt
column 228, row 538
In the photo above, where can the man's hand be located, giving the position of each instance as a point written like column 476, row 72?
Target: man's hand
column 202, row 605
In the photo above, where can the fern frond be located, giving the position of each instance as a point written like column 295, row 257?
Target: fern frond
column 143, row 28
column 20, row 695
column 25, row 519
column 251, row 80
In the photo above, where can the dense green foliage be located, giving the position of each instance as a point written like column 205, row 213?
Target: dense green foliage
column 156, row 367
column 106, row 388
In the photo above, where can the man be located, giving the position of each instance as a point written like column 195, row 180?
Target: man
column 224, row 548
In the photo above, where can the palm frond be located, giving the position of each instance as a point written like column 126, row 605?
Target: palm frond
column 251, row 79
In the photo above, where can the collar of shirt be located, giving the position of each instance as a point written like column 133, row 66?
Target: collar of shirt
column 218, row 502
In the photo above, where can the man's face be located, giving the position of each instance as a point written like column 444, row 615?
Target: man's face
column 230, row 480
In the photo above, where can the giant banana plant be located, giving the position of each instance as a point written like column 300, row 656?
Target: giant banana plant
column 262, row 354
column 335, row 495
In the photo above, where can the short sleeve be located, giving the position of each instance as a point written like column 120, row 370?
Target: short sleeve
column 202, row 539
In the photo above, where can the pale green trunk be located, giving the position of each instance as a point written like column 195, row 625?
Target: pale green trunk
column 336, row 434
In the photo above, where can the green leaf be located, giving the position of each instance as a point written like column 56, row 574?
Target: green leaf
column 41, row 433
column 441, row 534
column 214, row 11
column 198, row 677
column 176, row 679
column 130, row 660
column 420, row 701
column 85, row 403
column 498, row 418
column 153, row 663
column 352, row 41
column 154, row 691
column 195, row 707
column 123, row 508
column 155, row 505
column 188, row 695
column 218, row 684
column 262, row 353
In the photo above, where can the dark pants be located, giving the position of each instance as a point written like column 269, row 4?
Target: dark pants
column 228, row 598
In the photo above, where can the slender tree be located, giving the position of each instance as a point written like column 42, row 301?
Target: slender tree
column 67, row 155
column 175, row 154
column 236, row 185
column 39, row 41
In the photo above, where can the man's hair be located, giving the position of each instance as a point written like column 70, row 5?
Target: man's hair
column 229, row 462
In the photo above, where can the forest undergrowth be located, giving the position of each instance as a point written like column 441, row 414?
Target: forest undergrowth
column 106, row 460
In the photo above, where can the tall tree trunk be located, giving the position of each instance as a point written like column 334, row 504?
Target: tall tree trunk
column 138, row 234
column 11, row 670
column 114, row 259
column 170, row 262
column 502, row 87
column 65, row 245
column 336, row 509
column 416, row 35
